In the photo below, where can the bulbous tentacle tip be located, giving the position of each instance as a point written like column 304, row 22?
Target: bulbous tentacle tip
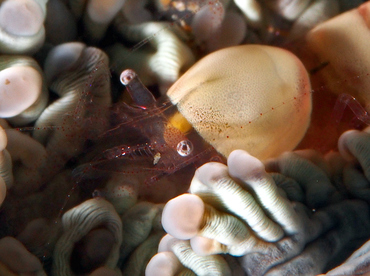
column 29, row 14
column 164, row 244
column 26, row 34
column 62, row 58
column 183, row 215
column 203, row 246
column 23, row 91
column 164, row 263
column 353, row 143
column 193, row 264
column 243, row 166
column 208, row 173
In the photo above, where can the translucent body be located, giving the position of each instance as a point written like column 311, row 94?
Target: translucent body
column 250, row 97
column 358, row 110
column 146, row 140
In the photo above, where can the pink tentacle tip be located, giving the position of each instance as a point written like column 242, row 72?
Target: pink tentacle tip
column 243, row 166
column 210, row 173
column 182, row 216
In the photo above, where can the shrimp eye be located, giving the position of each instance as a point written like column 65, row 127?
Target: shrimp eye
column 127, row 76
column 184, row 148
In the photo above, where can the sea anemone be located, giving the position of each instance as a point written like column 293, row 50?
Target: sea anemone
column 86, row 170
column 239, row 210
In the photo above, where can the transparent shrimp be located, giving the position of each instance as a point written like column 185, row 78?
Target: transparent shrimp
column 166, row 148
column 358, row 110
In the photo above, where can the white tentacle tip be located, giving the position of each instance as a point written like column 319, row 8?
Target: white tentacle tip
column 165, row 243
column 182, row 216
column 29, row 17
column 204, row 246
column 21, row 86
column 244, row 166
column 164, row 264
column 210, row 173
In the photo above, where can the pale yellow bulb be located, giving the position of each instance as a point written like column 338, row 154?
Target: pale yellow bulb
column 250, row 97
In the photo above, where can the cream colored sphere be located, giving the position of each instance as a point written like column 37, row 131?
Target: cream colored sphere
column 251, row 97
